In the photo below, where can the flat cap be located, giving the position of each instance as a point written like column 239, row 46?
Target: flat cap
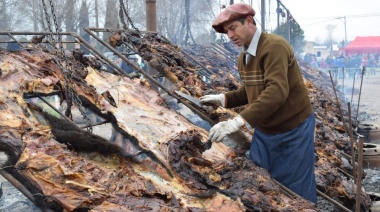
column 231, row 13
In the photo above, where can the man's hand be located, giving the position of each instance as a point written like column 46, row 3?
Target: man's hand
column 224, row 128
column 213, row 100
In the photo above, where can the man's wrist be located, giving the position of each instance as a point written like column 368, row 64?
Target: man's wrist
column 243, row 123
column 222, row 99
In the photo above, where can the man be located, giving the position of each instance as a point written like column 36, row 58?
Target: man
column 278, row 107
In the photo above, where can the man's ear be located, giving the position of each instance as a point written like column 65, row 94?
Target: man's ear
column 249, row 19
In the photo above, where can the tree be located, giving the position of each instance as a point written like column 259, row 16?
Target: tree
column 111, row 20
column 173, row 21
column 10, row 19
column 84, row 22
column 297, row 37
column 330, row 29
column 69, row 16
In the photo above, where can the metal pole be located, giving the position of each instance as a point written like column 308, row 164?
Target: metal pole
column 343, row 76
column 66, row 118
column 82, row 41
column 231, row 64
column 219, row 50
column 359, row 173
column 197, row 62
column 339, row 105
column 187, row 55
column 262, row 15
column 352, row 141
column 118, row 69
column 10, row 35
column 41, row 42
column 19, row 186
column 345, row 30
column 207, row 72
column 353, row 86
column 278, row 17
column 96, row 124
column 55, row 109
column 360, row 92
column 225, row 52
column 288, row 24
column 345, row 33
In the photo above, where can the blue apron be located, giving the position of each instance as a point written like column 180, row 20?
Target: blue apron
column 289, row 157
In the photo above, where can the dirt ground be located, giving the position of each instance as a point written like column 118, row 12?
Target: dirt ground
column 366, row 92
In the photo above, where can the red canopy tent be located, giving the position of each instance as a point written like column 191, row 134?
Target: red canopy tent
column 369, row 44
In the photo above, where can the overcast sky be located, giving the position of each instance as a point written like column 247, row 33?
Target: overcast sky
column 362, row 17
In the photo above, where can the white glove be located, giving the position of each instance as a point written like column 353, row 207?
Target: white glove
column 221, row 129
column 213, row 100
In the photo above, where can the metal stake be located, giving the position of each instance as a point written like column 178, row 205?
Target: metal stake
column 339, row 105
column 343, row 76
column 352, row 140
column 359, row 173
column 360, row 92
column 19, row 186
column 353, row 86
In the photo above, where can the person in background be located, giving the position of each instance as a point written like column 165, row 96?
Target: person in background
column 371, row 64
column 329, row 61
column 128, row 68
column 313, row 62
column 278, row 104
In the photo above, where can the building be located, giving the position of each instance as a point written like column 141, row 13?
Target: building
column 321, row 51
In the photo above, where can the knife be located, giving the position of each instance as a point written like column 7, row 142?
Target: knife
column 192, row 99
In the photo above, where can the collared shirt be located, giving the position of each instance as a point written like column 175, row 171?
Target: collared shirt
column 252, row 48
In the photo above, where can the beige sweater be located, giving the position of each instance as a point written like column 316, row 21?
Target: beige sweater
column 273, row 88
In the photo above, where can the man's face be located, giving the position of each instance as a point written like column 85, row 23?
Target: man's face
column 238, row 32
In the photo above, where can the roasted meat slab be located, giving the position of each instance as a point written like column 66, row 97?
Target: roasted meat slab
column 171, row 170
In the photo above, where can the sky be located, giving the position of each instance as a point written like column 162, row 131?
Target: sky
column 362, row 17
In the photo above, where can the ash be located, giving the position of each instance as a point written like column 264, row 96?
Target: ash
column 371, row 183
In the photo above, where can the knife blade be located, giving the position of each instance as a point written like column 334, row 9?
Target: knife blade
column 192, row 99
